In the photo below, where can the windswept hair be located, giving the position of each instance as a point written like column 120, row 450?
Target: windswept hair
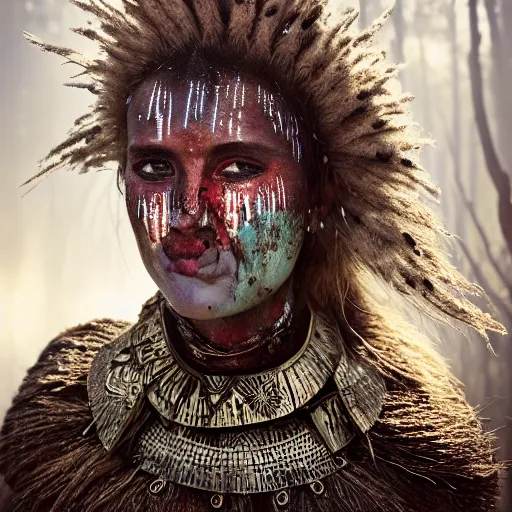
column 349, row 98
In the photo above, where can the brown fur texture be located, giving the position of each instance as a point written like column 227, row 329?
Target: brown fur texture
column 427, row 452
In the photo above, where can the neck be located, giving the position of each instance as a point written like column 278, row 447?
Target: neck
column 229, row 334
column 259, row 339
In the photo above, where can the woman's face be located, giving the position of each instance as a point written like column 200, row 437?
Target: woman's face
column 215, row 191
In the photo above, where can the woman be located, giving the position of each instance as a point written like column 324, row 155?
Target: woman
column 271, row 179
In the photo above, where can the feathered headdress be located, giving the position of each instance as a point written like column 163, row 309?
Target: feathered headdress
column 350, row 100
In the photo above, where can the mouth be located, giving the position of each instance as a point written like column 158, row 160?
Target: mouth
column 208, row 264
column 194, row 255
column 203, row 267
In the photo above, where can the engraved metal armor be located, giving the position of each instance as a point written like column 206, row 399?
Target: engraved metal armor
column 241, row 434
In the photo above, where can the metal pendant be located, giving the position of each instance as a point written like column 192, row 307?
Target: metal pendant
column 217, row 501
column 281, row 500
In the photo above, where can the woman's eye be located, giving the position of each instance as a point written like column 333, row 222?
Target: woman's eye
column 156, row 170
column 241, row 171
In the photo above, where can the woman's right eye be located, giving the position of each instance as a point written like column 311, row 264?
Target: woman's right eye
column 155, row 170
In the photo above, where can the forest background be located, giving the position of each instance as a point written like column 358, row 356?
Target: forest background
column 66, row 250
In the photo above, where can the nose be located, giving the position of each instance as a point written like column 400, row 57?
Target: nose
column 188, row 209
column 207, row 235
column 181, row 221
column 189, row 192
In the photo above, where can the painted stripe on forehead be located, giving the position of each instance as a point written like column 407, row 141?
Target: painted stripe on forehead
column 222, row 107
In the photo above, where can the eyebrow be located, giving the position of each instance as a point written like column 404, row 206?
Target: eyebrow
column 251, row 149
column 150, row 149
column 254, row 149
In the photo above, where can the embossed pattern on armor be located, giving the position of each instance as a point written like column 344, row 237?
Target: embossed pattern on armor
column 362, row 392
column 252, row 461
column 262, row 457
column 188, row 399
column 115, row 393
column 333, row 423
column 142, row 358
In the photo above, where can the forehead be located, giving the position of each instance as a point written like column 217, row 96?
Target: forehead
column 224, row 106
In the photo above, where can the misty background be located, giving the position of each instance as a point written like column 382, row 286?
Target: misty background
column 67, row 254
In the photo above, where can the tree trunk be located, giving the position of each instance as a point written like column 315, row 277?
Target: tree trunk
column 398, row 21
column 363, row 14
column 501, row 81
column 498, row 176
column 506, row 18
column 501, row 181
column 456, row 139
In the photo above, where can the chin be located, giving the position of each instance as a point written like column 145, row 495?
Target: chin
column 193, row 298
column 231, row 293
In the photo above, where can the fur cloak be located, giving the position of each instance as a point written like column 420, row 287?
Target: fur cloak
column 427, row 453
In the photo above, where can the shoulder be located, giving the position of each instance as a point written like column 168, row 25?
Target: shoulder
column 68, row 357
column 433, row 442
column 65, row 362
column 427, row 435
column 51, row 407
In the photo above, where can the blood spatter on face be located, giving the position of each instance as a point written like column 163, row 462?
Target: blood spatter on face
column 179, row 246
column 213, row 196
column 207, row 235
column 264, row 291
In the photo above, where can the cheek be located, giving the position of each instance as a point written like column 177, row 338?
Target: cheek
column 269, row 248
column 289, row 180
column 266, row 219
column 149, row 207
column 280, row 190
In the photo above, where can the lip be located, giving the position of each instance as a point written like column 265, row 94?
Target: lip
column 184, row 267
column 209, row 268
column 204, row 267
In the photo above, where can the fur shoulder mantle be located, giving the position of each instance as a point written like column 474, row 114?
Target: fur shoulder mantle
column 427, row 451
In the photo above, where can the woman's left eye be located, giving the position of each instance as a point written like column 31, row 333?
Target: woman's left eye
column 241, row 171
